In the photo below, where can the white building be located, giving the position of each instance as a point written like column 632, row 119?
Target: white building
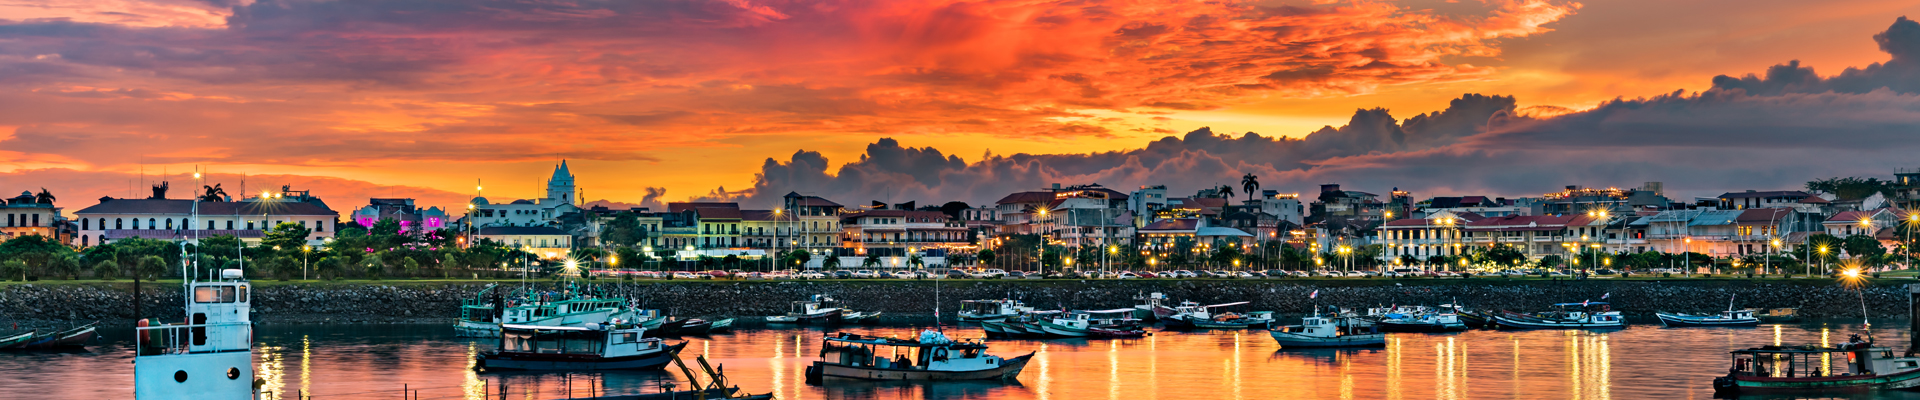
column 559, row 201
column 175, row 219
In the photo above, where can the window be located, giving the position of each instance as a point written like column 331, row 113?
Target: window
column 116, row 223
column 319, row 226
column 169, row 223
column 83, row 226
column 229, row 224
column 150, row 224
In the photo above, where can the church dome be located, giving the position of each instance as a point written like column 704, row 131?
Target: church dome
column 479, row 201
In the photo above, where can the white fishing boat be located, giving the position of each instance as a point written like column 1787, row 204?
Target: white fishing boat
column 1328, row 331
column 809, row 311
column 933, row 357
column 1730, row 317
column 1149, row 304
column 1086, row 323
column 587, row 347
column 209, row 357
column 991, row 310
column 1419, row 319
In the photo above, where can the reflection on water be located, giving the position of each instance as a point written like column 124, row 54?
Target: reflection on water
column 387, row 361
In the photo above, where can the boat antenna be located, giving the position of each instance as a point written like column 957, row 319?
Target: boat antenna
column 936, row 305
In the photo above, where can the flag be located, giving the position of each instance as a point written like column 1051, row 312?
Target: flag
column 1314, row 295
column 1603, row 296
column 1584, row 303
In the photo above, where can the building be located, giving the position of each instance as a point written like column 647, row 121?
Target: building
column 541, row 241
column 701, row 225
column 1849, row 223
column 897, row 235
column 546, row 211
column 158, row 217
column 1442, row 234
column 1088, row 215
column 1166, row 234
column 1758, row 199
column 1334, row 203
column 412, row 220
column 811, row 222
column 1146, row 202
column 31, row 214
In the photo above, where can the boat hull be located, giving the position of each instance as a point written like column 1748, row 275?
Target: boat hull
column 578, row 362
column 465, row 328
column 1762, row 385
column 1389, row 326
column 1007, row 370
column 1291, row 340
column 1053, row 329
column 1690, row 320
column 1515, row 323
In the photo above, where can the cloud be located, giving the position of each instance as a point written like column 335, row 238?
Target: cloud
column 80, row 189
column 1767, row 133
column 337, row 83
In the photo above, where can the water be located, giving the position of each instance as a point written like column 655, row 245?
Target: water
column 1644, row 361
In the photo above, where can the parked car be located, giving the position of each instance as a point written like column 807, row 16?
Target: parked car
column 1144, row 274
column 1355, row 274
column 865, row 274
column 685, row 275
column 1181, row 273
column 843, row 274
column 904, row 275
column 1245, row 275
column 1126, row 275
column 957, row 274
column 810, row 275
column 990, row 273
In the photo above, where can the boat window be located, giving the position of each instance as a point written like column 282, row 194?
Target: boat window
column 214, row 294
column 243, row 293
column 625, row 338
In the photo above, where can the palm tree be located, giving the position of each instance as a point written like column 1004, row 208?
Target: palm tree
column 871, row 261
column 1251, row 183
column 1226, row 192
column 832, row 262
column 916, row 261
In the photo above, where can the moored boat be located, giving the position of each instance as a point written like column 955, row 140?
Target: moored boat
column 67, row 339
column 933, row 357
column 1725, row 318
column 1568, row 316
column 1082, row 323
column 1779, row 315
column 1421, row 319
column 1149, row 306
column 860, row 317
column 991, row 310
column 208, row 357
column 1317, row 331
column 1191, row 315
column 589, row 347
column 1853, row 366
column 15, row 341
column 811, row 311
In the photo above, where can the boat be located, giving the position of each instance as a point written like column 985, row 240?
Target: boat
column 809, row 312
column 588, row 347
column 1149, row 306
column 1081, row 323
column 1191, row 315
column 1725, row 318
column 1420, row 319
column 682, row 327
column 1473, row 319
column 933, row 357
column 991, row 310
column 210, row 356
column 66, row 339
column 1568, row 316
column 1780, row 315
column 14, row 341
column 724, row 325
column 1318, row 331
column 1798, row 369
column 860, row 317
column 482, row 315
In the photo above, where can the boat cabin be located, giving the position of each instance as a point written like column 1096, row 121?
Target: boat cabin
column 1089, row 319
column 982, row 308
column 1815, row 361
column 870, row 352
column 1318, row 325
column 590, row 340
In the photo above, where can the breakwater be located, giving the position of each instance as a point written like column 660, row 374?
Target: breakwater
column 406, row 301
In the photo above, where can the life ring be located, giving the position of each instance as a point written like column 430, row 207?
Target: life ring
column 940, row 354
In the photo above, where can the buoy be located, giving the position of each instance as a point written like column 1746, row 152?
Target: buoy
column 144, row 339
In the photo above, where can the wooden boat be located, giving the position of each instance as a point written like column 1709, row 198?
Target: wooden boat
column 991, row 310
column 860, row 317
column 1725, row 318
column 15, row 341
column 1317, row 331
column 1569, row 316
column 810, row 311
column 67, row 339
column 725, row 325
column 577, row 348
column 1081, row 323
column 1857, row 366
column 933, row 357
column 681, row 327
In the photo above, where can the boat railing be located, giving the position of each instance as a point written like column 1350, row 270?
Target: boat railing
column 193, row 339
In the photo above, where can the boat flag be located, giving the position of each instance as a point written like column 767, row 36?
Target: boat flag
column 1314, row 295
column 1603, row 296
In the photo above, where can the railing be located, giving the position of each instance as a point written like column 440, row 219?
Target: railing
column 189, row 339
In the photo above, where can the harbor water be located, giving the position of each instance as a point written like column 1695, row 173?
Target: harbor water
column 391, row 361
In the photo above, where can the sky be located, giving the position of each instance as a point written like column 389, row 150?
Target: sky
column 897, row 100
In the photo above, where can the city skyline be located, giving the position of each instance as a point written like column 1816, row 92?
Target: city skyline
column 681, row 99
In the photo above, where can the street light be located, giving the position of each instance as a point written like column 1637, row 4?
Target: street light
column 1823, row 260
column 304, row 252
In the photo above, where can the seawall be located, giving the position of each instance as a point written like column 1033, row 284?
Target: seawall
column 438, row 301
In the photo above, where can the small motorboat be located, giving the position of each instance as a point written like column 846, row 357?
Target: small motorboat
column 1856, row 366
column 810, row 311
column 1191, row 315
column 67, row 339
column 933, row 357
column 1149, row 306
column 1116, row 331
column 1081, row 323
column 1780, row 315
column 1318, row 331
column 1569, row 316
column 725, row 325
column 1424, row 320
column 860, row 317
column 1725, row 318
column 991, row 310
column 682, row 327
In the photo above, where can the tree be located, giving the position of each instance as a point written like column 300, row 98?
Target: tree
column 915, row 261
column 730, row 261
column 1851, row 187
column 1503, row 255
column 152, row 266
column 986, row 256
column 831, row 262
column 1251, row 183
column 1439, row 260
column 624, row 230
column 411, row 266
column 953, row 208
column 286, row 237
column 871, row 261
column 1862, row 246
column 14, row 269
column 65, row 265
column 1552, row 261
column 385, row 226
column 32, row 250
column 797, row 258
column 106, row 270
column 1408, row 259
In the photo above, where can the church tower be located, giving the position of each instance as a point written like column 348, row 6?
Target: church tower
column 560, row 188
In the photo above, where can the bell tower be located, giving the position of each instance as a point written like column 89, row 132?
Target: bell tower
column 560, row 188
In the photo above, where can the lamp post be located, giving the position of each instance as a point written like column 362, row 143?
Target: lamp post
column 1823, row 261
column 1866, row 226
column 304, row 252
column 1913, row 220
column 1776, row 248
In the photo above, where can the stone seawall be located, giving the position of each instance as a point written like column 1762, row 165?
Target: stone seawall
column 403, row 301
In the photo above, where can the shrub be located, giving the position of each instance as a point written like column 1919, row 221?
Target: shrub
column 1706, row 275
column 1749, row 275
column 1666, row 274
column 1876, row 275
column 13, row 269
column 106, row 270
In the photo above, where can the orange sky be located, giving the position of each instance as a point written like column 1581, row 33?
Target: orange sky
column 423, row 98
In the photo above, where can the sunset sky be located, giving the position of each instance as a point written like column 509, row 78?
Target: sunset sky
column 900, row 100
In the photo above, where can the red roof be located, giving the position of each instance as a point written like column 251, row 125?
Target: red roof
column 707, row 213
column 756, row 215
column 814, row 201
column 1026, row 197
column 680, row 207
column 1852, row 216
column 912, row 216
column 1763, row 215
column 1814, row 200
